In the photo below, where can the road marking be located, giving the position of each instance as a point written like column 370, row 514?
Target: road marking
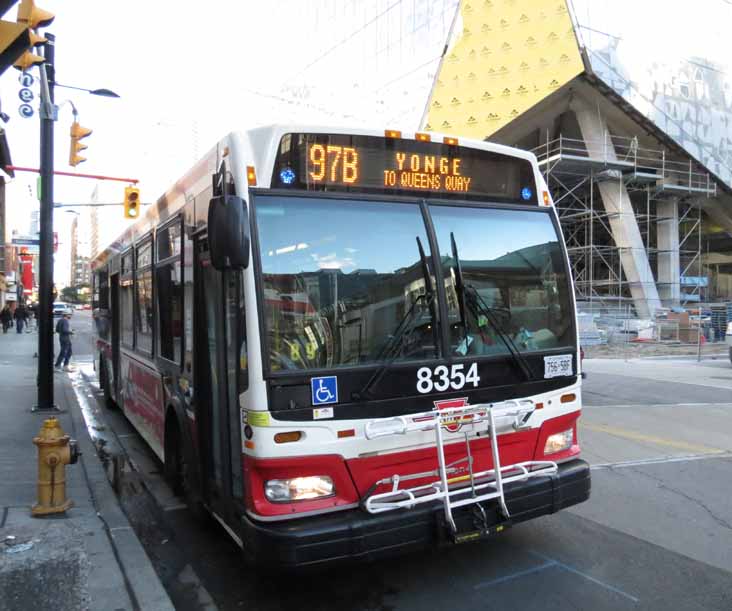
column 636, row 405
column 662, row 441
column 548, row 564
column 579, row 573
column 516, row 575
column 658, row 461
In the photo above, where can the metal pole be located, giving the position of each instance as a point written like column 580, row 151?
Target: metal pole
column 45, row 260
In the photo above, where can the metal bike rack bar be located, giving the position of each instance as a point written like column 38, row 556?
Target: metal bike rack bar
column 460, row 491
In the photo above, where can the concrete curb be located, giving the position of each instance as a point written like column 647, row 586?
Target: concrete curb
column 140, row 579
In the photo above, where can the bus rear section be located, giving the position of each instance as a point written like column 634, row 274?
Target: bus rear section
column 418, row 349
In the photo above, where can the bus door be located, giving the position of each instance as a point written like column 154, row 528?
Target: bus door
column 216, row 397
column 114, row 318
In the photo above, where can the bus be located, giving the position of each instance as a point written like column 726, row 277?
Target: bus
column 344, row 345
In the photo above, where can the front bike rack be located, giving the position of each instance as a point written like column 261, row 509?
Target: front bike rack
column 461, row 490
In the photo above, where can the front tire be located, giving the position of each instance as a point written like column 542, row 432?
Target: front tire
column 104, row 385
column 177, row 472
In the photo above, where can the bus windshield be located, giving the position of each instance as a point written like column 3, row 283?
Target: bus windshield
column 339, row 279
column 513, row 273
column 344, row 284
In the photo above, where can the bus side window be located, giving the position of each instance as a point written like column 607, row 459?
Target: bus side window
column 169, row 292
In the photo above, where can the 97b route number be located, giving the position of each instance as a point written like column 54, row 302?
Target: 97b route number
column 441, row 378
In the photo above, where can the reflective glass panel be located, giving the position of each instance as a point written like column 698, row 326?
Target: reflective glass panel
column 343, row 282
column 514, row 277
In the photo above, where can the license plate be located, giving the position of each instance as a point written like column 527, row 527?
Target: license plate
column 555, row 366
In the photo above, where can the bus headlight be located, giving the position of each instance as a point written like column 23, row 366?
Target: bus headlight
column 558, row 442
column 298, row 488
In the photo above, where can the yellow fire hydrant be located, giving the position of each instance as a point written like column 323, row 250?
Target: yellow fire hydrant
column 55, row 451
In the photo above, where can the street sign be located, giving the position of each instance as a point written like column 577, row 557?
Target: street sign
column 25, row 111
column 25, row 95
column 26, row 242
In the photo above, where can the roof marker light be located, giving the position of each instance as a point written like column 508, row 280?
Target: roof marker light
column 251, row 176
column 449, row 140
column 545, row 197
column 392, row 133
column 423, row 137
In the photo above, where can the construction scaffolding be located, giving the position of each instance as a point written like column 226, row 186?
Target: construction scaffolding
column 662, row 189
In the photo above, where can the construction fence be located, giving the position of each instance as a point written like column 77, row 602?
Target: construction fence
column 615, row 330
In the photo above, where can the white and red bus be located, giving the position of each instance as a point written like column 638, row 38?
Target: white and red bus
column 346, row 344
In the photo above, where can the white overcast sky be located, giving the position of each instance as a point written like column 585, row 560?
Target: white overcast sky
column 187, row 73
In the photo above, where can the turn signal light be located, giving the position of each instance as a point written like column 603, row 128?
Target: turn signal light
column 568, row 398
column 288, row 437
column 251, row 176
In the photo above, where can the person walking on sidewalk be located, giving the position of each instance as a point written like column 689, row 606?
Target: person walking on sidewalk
column 6, row 317
column 63, row 328
column 20, row 315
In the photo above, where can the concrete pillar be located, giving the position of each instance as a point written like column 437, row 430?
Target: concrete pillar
column 667, row 226
column 621, row 217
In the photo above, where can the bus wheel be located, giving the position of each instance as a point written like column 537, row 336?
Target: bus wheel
column 104, row 385
column 177, row 472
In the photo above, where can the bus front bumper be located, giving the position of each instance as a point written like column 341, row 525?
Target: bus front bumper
column 355, row 534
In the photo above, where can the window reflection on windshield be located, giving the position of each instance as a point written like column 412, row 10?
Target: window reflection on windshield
column 512, row 260
column 339, row 276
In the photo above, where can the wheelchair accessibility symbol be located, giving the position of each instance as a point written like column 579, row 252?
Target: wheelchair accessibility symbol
column 324, row 390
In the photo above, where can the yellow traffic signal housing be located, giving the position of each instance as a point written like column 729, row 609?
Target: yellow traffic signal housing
column 77, row 132
column 15, row 40
column 32, row 16
column 29, row 18
column 132, row 202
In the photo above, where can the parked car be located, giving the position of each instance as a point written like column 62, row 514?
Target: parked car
column 60, row 308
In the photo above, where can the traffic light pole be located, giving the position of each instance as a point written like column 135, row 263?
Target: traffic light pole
column 45, row 279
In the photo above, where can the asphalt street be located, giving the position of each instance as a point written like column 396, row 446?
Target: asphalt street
column 656, row 533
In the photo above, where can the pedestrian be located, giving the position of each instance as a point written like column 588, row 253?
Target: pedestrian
column 6, row 317
column 63, row 328
column 20, row 315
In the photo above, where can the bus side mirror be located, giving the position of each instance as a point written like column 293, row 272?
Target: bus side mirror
column 228, row 232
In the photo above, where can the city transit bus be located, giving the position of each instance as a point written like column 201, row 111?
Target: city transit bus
column 350, row 344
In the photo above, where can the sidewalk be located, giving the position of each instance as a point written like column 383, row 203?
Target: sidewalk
column 88, row 558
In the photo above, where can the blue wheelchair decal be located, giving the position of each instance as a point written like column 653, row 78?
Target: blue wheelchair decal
column 324, row 390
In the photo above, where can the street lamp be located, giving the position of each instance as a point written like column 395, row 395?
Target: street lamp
column 105, row 93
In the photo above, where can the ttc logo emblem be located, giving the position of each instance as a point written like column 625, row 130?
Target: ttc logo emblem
column 453, row 426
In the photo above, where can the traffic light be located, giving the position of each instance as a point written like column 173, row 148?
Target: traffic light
column 31, row 17
column 132, row 202
column 77, row 132
column 14, row 43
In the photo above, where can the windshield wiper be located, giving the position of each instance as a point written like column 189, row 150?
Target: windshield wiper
column 403, row 331
column 478, row 306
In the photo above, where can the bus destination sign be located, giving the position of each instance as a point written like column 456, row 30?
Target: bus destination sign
column 371, row 164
